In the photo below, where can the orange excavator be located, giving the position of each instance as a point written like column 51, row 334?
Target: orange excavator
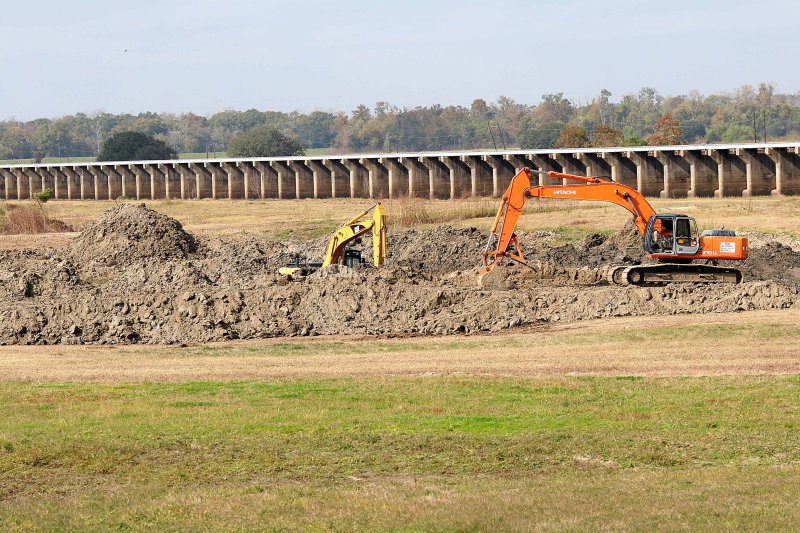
column 672, row 240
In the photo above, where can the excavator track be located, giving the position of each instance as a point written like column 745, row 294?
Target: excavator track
column 663, row 273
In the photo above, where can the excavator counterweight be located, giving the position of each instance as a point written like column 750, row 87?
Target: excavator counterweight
column 670, row 239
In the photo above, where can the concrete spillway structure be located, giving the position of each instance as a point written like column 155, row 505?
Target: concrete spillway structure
column 658, row 171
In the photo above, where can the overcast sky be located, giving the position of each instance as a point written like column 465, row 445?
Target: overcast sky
column 205, row 56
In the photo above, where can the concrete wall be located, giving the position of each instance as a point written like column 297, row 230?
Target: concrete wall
column 663, row 171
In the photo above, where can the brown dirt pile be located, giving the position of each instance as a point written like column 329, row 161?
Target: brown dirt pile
column 137, row 276
column 128, row 233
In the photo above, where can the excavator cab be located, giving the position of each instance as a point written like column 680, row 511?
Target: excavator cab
column 671, row 235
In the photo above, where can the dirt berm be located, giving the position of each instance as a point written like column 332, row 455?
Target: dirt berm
column 137, row 276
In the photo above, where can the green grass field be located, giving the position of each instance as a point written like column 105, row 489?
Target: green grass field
column 416, row 453
column 146, row 439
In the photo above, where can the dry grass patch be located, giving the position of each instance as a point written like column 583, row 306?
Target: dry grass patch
column 764, row 342
column 28, row 219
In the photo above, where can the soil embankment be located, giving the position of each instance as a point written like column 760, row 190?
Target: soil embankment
column 137, row 276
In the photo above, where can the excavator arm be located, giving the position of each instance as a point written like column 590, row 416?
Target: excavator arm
column 671, row 239
column 503, row 240
column 355, row 228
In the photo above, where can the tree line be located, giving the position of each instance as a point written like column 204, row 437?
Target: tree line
column 746, row 114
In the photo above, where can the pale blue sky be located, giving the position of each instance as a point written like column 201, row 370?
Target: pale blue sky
column 204, row 56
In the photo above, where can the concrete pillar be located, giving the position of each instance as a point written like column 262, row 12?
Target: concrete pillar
column 250, row 180
column 48, row 179
column 502, row 172
column 286, row 179
column 235, row 181
column 702, row 173
column 731, row 173
column 677, row 174
column 545, row 163
column 127, row 181
column 158, row 182
column 171, row 181
column 218, row 188
column 623, row 170
column 142, row 181
column 202, row 180
column 72, row 183
column 99, row 183
column 340, row 178
column 569, row 165
column 303, row 180
column 480, row 175
column 33, row 180
column 9, row 184
column 787, row 170
column 518, row 162
column 418, row 177
column 40, row 179
column 359, row 178
column 759, row 172
column 377, row 178
column 187, row 181
column 649, row 174
column 322, row 178
column 438, row 178
column 58, row 181
column 86, row 182
column 460, row 179
column 398, row 176
column 113, row 182
column 594, row 165
column 267, row 180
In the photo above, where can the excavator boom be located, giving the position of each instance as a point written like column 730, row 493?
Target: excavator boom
column 337, row 252
column 667, row 237
column 355, row 228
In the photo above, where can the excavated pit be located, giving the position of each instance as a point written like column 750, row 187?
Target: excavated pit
column 137, row 276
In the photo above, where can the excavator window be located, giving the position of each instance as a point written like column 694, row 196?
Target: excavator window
column 663, row 235
column 683, row 232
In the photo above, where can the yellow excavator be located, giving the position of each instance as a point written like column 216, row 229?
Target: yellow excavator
column 338, row 251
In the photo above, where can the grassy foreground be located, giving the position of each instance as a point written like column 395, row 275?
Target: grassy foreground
column 409, row 453
column 474, row 433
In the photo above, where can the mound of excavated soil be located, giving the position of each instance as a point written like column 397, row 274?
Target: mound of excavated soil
column 137, row 276
column 128, row 233
column 772, row 261
column 443, row 249
column 595, row 250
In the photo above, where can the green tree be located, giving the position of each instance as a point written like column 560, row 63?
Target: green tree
column 14, row 144
column 666, row 131
column 634, row 141
column 316, row 129
column 572, row 137
column 134, row 146
column 603, row 135
column 532, row 134
column 264, row 141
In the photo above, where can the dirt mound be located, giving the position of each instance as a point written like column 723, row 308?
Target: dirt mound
column 137, row 276
column 772, row 261
column 128, row 233
column 595, row 250
column 437, row 251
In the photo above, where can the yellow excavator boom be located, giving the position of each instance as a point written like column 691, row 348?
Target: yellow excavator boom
column 336, row 252
column 355, row 228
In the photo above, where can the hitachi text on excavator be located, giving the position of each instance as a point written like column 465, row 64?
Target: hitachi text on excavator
column 672, row 240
